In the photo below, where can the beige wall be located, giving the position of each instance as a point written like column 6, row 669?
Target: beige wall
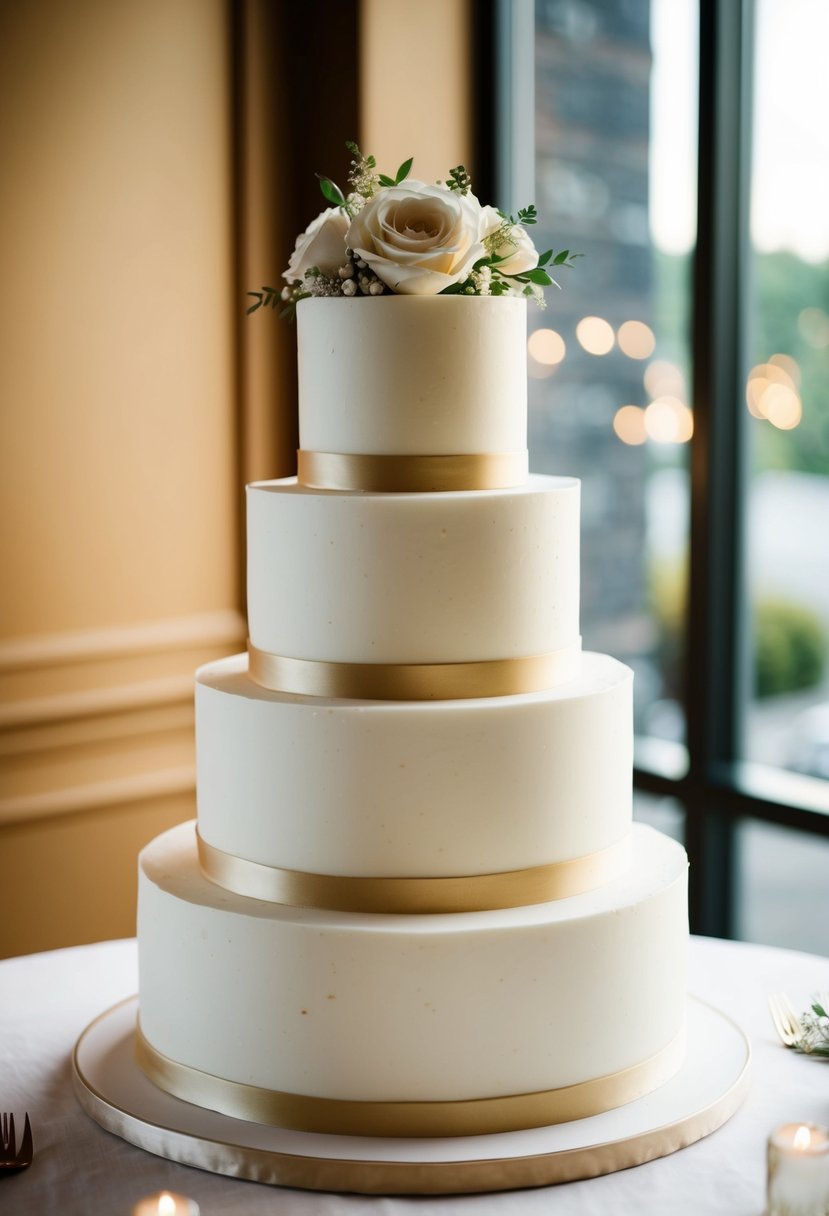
column 129, row 418
column 118, row 474
column 415, row 84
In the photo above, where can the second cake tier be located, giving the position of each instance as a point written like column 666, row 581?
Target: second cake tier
column 434, row 578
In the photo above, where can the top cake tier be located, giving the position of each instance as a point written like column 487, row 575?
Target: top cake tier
column 412, row 393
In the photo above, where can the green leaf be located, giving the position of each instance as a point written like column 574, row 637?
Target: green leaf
column 545, row 257
column 331, row 191
column 535, row 276
column 455, row 289
column 819, row 1010
column 561, row 258
column 403, row 171
column 258, row 304
column 385, row 180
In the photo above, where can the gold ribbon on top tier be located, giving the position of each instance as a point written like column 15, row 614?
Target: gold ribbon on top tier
column 413, row 896
column 389, row 474
column 413, row 681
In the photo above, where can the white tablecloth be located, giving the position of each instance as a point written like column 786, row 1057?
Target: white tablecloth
column 46, row 1000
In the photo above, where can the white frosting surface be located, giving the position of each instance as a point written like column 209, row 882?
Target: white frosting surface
column 413, row 578
column 414, row 788
column 397, row 1008
column 413, row 375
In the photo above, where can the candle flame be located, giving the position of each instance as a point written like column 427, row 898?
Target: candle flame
column 802, row 1139
column 167, row 1204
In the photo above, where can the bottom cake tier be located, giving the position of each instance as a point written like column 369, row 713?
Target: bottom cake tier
column 450, row 1024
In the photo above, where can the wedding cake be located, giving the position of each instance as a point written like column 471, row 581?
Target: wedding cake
column 414, row 902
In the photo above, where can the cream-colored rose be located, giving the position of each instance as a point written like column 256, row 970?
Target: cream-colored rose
column 322, row 244
column 418, row 238
column 518, row 250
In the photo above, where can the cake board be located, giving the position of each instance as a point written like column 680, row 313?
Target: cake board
column 705, row 1093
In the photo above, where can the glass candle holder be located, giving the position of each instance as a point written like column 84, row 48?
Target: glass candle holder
column 798, row 1170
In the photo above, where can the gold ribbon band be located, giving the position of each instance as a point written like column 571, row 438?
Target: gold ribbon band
column 413, row 681
column 474, row 1117
column 406, row 896
column 411, row 474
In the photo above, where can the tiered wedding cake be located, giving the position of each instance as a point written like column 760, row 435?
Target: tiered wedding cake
column 414, row 902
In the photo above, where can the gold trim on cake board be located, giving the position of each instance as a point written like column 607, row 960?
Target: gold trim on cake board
column 114, row 1105
column 413, row 681
column 399, row 895
column 389, row 474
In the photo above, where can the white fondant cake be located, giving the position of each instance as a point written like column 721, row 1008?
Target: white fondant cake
column 414, row 788
column 387, row 377
column 414, row 901
column 413, row 578
column 412, row 1008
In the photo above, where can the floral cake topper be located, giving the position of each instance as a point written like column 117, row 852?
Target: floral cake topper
column 406, row 237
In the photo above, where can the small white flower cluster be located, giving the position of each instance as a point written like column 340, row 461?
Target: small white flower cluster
column 367, row 280
column 481, row 282
column 815, row 1026
column 354, row 203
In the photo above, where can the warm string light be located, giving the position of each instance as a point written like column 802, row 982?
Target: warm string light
column 813, row 324
column 664, row 379
column 772, row 392
column 636, row 339
column 667, row 419
column 546, row 349
column 595, row 335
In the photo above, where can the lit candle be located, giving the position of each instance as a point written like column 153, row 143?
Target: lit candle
column 166, row 1204
column 798, row 1160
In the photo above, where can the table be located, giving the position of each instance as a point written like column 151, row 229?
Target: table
column 46, row 1000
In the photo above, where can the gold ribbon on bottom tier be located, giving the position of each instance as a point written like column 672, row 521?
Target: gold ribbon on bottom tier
column 413, row 681
column 413, row 896
column 389, row 474
column 473, row 1117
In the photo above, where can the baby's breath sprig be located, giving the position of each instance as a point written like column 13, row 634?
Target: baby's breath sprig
column 361, row 176
column 459, row 180
column 815, row 1026
column 364, row 182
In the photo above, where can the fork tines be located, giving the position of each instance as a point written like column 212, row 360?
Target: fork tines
column 786, row 1022
column 11, row 1156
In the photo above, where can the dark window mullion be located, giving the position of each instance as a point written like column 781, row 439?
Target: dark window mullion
column 716, row 608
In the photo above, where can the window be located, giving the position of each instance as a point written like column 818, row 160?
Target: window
column 683, row 374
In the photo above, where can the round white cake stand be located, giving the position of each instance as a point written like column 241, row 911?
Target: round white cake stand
column 700, row 1098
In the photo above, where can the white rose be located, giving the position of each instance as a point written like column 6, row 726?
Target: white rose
column 519, row 252
column 417, row 238
column 322, row 244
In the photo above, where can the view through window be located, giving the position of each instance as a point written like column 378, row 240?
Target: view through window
column 609, row 359
column 610, row 365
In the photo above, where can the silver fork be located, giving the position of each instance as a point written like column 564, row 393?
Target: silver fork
column 12, row 1157
column 786, row 1021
